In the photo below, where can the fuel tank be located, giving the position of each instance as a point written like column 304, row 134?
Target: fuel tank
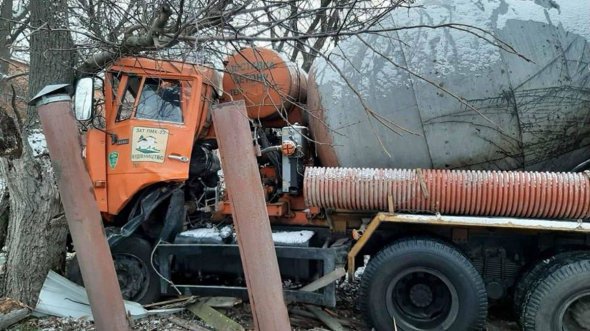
column 431, row 96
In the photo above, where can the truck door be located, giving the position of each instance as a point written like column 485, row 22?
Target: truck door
column 151, row 133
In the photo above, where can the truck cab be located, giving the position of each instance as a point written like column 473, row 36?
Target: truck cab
column 154, row 111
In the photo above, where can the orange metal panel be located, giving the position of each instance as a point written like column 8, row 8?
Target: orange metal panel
column 273, row 209
column 96, row 164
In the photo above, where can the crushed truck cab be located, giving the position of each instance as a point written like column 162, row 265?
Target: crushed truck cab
column 154, row 110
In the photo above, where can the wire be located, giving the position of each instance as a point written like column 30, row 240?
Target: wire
column 157, row 272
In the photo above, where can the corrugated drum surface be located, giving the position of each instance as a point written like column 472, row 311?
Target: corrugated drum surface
column 455, row 192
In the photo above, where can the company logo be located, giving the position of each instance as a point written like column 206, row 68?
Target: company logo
column 148, row 144
column 113, row 158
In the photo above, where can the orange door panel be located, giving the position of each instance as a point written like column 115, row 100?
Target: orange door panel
column 151, row 136
column 96, row 163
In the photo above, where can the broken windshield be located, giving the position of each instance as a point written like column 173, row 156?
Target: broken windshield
column 160, row 101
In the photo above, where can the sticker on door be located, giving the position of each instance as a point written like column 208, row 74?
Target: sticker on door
column 148, row 144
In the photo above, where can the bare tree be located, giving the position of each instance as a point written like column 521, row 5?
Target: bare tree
column 37, row 228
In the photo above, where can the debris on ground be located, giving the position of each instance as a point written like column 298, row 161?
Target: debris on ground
column 63, row 298
column 172, row 303
column 346, row 313
column 221, row 302
column 332, row 323
column 214, row 318
column 325, row 280
column 12, row 312
column 187, row 324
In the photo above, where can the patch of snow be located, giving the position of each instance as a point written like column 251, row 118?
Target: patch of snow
column 37, row 142
column 359, row 272
column 292, row 238
column 226, row 231
column 204, row 233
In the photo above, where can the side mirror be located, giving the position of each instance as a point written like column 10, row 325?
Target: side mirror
column 84, row 98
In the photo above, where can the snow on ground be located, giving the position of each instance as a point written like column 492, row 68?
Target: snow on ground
column 292, row 237
column 37, row 142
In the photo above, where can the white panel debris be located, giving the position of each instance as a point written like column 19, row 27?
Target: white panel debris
column 61, row 297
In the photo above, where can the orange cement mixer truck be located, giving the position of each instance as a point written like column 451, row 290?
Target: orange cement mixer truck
column 454, row 209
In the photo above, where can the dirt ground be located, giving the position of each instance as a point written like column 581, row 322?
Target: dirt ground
column 345, row 310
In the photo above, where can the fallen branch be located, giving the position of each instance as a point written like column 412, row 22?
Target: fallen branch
column 13, row 317
column 12, row 312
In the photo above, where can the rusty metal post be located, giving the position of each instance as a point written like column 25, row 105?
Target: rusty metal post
column 257, row 252
column 83, row 216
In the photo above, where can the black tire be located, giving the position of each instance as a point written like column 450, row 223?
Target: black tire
column 559, row 300
column 138, row 280
column 429, row 278
column 531, row 278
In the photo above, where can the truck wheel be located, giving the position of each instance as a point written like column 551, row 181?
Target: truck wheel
column 560, row 299
column 137, row 279
column 423, row 284
column 530, row 278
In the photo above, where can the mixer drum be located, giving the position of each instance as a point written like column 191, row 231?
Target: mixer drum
column 532, row 115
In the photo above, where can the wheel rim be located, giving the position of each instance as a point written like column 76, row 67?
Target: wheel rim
column 422, row 299
column 569, row 314
column 133, row 276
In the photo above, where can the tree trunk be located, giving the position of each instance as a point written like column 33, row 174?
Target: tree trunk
column 37, row 229
column 5, row 27
column 3, row 210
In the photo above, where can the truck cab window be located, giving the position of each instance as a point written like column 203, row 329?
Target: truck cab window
column 126, row 105
column 160, row 101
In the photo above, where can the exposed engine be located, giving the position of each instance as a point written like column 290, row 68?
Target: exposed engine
column 203, row 187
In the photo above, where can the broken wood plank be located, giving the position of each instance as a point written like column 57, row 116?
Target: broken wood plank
column 13, row 317
column 332, row 323
column 167, row 302
column 186, row 324
column 221, row 302
column 214, row 318
column 325, row 280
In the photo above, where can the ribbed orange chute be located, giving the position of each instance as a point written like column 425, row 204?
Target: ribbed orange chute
column 455, row 192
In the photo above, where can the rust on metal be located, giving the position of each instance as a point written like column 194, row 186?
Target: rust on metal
column 250, row 217
column 453, row 192
column 83, row 216
column 273, row 209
